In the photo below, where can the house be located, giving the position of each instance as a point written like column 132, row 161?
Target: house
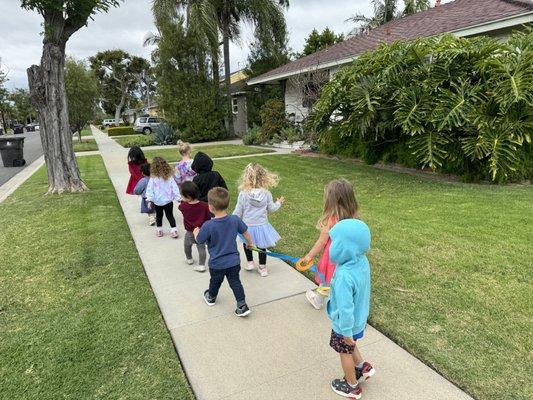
column 131, row 114
column 301, row 80
column 238, row 101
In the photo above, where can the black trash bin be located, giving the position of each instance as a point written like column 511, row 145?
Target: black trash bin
column 12, row 151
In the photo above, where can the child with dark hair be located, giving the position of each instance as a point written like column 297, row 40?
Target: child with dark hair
column 140, row 190
column 136, row 158
column 195, row 213
column 220, row 234
column 206, row 179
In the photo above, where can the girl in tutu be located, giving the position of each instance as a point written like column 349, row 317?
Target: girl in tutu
column 253, row 205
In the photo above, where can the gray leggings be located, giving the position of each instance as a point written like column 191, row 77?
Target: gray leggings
column 187, row 244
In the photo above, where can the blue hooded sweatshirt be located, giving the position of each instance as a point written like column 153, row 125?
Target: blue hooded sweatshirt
column 349, row 297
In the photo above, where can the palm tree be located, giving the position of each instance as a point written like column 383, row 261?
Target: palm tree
column 215, row 19
column 385, row 11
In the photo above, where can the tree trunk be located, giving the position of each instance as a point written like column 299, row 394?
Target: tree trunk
column 118, row 109
column 227, row 75
column 48, row 96
column 216, row 82
column 4, row 123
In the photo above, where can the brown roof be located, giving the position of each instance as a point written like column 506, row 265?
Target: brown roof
column 448, row 17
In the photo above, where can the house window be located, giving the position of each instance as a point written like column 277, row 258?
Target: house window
column 235, row 105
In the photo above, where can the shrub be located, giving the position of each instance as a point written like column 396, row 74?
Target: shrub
column 140, row 140
column 252, row 136
column 458, row 105
column 120, row 131
column 273, row 120
column 165, row 134
column 295, row 133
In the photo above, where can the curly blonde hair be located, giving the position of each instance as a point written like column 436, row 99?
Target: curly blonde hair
column 184, row 147
column 161, row 169
column 255, row 176
column 339, row 203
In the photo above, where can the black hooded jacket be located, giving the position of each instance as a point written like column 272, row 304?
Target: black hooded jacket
column 206, row 178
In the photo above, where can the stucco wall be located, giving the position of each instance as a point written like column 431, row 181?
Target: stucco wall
column 293, row 101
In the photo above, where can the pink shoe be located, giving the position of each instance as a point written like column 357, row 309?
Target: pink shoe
column 174, row 234
column 159, row 232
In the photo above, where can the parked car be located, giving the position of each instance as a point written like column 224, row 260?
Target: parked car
column 111, row 122
column 146, row 125
column 32, row 127
column 18, row 128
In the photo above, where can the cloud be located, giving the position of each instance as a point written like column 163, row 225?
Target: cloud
column 125, row 27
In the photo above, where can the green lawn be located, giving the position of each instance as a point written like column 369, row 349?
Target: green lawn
column 215, row 150
column 86, row 132
column 78, row 319
column 452, row 264
column 86, row 145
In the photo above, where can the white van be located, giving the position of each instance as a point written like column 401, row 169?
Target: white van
column 111, row 122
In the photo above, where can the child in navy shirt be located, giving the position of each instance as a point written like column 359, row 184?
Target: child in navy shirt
column 220, row 234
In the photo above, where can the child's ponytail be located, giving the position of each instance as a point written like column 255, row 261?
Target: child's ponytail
column 184, row 147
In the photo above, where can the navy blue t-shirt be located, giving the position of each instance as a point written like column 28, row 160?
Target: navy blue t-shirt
column 220, row 234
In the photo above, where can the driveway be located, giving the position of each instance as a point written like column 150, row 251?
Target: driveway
column 32, row 151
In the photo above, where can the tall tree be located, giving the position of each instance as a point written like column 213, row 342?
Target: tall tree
column 385, row 11
column 185, row 90
column 23, row 109
column 118, row 75
column 260, row 60
column 317, row 41
column 62, row 18
column 82, row 94
column 222, row 18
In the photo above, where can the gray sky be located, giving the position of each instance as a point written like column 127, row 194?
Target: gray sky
column 126, row 26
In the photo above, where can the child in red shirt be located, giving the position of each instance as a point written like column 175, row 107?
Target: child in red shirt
column 136, row 158
column 195, row 213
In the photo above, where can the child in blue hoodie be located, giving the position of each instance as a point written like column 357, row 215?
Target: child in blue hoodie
column 349, row 302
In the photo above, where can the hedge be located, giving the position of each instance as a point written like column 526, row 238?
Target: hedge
column 121, row 131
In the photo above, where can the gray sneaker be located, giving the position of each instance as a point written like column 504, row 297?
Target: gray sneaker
column 344, row 389
column 208, row 299
column 242, row 311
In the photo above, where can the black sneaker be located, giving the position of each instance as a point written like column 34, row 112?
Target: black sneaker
column 242, row 311
column 208, row 299
column 343, row 388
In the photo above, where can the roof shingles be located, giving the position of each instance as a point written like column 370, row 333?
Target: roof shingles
column 448, row 17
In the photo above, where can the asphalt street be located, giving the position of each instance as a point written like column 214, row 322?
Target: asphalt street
column 32, row 151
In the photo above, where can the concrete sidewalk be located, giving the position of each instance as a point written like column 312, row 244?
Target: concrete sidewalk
column 281, row 350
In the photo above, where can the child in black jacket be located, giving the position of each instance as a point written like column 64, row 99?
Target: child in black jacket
column 206, row 178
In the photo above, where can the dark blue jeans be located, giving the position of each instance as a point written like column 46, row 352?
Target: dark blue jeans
column 232, row 275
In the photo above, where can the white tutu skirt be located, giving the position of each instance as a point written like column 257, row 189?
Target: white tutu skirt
column 264, row 236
